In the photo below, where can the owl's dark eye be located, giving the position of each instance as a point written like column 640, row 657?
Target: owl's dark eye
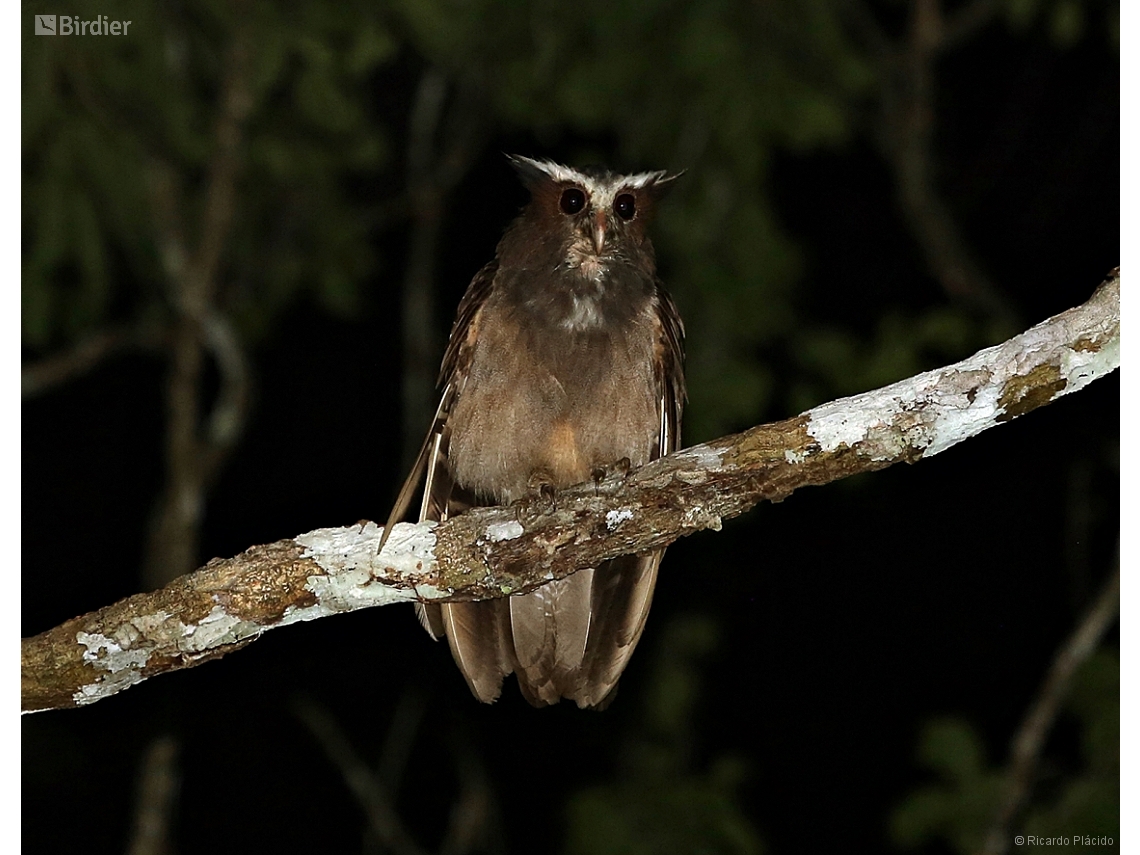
column 625, row 206
column 573, row 200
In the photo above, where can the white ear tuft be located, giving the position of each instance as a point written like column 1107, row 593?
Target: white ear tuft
column 532, row 171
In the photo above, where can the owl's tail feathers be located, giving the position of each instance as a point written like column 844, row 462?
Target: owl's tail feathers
column 431, row 619
column 571, row 638
column 621, row 597
column 476, row 638
column 549, row 628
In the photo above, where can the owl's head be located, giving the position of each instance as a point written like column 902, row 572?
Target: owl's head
column 593, row 216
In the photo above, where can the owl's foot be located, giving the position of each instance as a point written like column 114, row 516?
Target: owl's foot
column 540, row 500
column 617, row 471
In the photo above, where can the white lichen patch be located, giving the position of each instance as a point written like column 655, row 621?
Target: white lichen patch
column 215, row 629
column 124, row 653
column 1081, row 366
column 354, row 547
column 123, row 666
column 961, row 418
column 927, row 413
column 351, row 580
column 616, row 518
column 500, row 531
column 109, row 654
column 794, row 457
column 111, row 684
column 352, row 569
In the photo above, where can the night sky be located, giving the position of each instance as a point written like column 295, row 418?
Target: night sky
column 848, row 614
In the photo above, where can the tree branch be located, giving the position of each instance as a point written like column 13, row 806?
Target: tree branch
column 373, row 798
column 375, row 795
column 47, row 373
column 493, row 552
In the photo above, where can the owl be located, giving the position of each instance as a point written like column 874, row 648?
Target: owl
column 564, row 361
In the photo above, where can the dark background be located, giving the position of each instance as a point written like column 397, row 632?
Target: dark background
column 830, row 627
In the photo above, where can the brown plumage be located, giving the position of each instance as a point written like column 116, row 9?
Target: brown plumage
column 565, row 358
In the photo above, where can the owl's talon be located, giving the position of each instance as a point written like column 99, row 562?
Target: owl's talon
column 619, row 469
column 547, row 494
column 541, row 498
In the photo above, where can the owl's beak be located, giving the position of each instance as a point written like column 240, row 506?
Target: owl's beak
column 599, row 231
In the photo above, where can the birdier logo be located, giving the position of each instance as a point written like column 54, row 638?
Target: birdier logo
column 69, row 25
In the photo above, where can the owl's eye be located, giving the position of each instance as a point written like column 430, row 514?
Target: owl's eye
column 625, row 206
column 573, row 200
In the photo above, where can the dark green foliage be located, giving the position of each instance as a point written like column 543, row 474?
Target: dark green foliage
column 112, row 126
column 1065, row 21
column 714, row 88
column 1088, row 801
column 960, row 806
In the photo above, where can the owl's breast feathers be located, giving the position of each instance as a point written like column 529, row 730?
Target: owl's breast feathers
column 540, row 395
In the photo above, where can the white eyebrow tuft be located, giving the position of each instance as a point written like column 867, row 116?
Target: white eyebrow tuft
column 641, row 179
column 556, row 171
column 600, row 190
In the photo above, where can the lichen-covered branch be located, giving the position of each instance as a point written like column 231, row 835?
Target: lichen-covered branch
column 493, row 552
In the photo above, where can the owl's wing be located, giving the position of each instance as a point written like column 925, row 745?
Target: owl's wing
column 669, row 371
column 475, row 631
column 430, row 467
column 472, row 629
column 622, row 589
column 452, row 376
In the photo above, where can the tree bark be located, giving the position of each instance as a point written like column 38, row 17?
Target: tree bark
column 494, row 552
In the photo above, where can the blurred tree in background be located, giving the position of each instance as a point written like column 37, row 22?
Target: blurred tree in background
column 245, row 229
column 183, row 187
